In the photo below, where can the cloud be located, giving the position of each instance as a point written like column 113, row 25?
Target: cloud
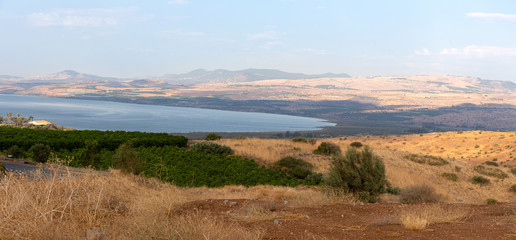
column 479, row 51
column 423, row 51
column 493, row 16
column 178, row 2
column 89, row 17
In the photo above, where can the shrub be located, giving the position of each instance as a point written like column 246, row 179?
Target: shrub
column 480, row 180
column 513, row 188
column 2, row 169
column 40, row 152
column 300, row 139
column 212, row 136
column 492, row 172
column 212, row 148
column 296, row 167
column 491, row 163
column 312, row 141
column 126, row 159
column 15, row 151
column 430, row 160
column 356, row 144
column 490, row 201
column 419, row 194
column 359, row 172
column 513, row 171
column 450, row 176
column 328, row 149
column 314, row 178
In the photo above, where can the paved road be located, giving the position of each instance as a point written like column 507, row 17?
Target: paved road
column 19, row 167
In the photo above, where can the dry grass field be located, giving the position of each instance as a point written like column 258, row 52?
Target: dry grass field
column 122, row 206
column 463, row 150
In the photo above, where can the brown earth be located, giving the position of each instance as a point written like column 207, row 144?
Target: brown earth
column 359, row 221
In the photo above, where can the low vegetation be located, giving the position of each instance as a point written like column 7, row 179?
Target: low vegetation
column 491, row 172
column 419, row 194
column 212, row 148
column 328, row 149
column 359, row 172
column 430, row 160
column 480, row 180
column 418, row 217
column 450, row 176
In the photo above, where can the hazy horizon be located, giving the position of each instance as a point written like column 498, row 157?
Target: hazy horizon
column 366, row 38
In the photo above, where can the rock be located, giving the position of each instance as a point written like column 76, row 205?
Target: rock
column 94, row 234
column 276, row 221
column 226, row 201
column 255, row 198
column 285, row 202
column 233, row 203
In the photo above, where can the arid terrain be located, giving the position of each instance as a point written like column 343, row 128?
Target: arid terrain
column 124, row 206
column 359, row 105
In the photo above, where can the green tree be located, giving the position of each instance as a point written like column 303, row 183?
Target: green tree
column 328, row 149
column 126, row 159
column 212, row 136
column 15, row 151
column 40, row 152
column 359, row 172
column 90, row 152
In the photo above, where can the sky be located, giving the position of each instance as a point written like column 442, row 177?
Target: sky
column 131, row 38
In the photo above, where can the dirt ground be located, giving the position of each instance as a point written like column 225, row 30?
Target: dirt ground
column 356, row 221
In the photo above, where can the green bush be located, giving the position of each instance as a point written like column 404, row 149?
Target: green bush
column 513, row 188
column 212, row 137
column 300, row 139
column 314, row 178
column 211, row 148
column 428, row 159
column 490, row 201
column 126, row 158
column 491, row 163
column 328, row 149
column 295, row 167
column 492, row 172
column 312, row 141
column 359, row 172
column 513, row 171
column 356, row 144
column 15, row 151
column 419, row 194
column 450, row 176
column 480, row 180
column 40, row 152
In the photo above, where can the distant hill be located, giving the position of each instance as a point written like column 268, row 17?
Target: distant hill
column 68, row 76
column 247, row 75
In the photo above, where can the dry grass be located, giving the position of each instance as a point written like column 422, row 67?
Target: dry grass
column 48, row 206
column 456, row 148
column 122, row 206
column 419, row 217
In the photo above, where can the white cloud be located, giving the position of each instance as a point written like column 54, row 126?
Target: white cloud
column 495, row 16
column 423, row 51
column 479, row 51
column 90, row 17
column 178, row 2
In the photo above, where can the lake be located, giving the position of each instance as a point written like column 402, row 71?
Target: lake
column 104, row 115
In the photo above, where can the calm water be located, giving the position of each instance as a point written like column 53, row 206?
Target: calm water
column 101, row 115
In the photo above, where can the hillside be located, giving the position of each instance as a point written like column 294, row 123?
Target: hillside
column 114, row 205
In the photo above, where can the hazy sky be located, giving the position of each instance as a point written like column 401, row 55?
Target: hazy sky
column 362, row 38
